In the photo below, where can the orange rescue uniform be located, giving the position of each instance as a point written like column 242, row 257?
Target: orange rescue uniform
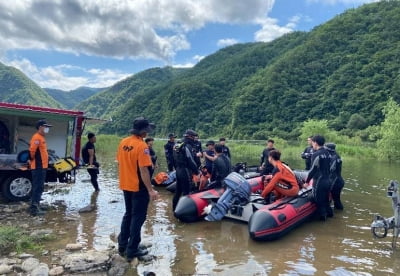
column 132, row 154
column 283, row 182
column 39, row 158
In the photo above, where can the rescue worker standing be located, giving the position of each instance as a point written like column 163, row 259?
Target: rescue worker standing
column 337, row 182
column 149, row 141
column 225, row 149
column 266, row 167
column 169, row 152
column 186, row 166
column 198, row 150
column 133, row 158
column 319, row 172
column 39, row 162
column 307, row 153
column 89, row 158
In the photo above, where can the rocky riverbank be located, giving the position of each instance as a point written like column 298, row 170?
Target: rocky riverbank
column 71, row 259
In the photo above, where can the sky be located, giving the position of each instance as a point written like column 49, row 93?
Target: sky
column 66, row 44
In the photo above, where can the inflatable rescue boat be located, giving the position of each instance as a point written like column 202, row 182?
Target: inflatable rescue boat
column 238, row 202
column 191, row 208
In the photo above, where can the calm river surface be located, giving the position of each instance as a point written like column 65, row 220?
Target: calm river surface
column 342, row 245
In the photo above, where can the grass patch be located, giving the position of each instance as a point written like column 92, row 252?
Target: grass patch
column 16, row 239
column 242, row 151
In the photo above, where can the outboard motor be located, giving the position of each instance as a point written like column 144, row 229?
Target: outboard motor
column 237, row 194
column 381, row 225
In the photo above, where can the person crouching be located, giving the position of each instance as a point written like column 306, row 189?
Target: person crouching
column 283, row 181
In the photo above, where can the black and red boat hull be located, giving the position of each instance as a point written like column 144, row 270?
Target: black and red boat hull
column 275, row 220
column 190, row 208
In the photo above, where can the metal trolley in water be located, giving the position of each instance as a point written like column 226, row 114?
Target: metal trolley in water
column 380, row 225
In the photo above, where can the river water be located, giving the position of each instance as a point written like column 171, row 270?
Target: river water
column 343, row 245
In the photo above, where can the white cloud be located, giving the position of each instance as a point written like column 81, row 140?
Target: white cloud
column 198, row 57
column 195, row 60
column 117, row 28
column 226, row 42
column 61, row 76
column 184, row 65
column 270, row 30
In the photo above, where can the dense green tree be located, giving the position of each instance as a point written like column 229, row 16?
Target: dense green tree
column 356, row 122
column 389, row 143
column 314, row 127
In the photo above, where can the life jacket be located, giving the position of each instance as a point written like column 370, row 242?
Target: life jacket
column 161, row 177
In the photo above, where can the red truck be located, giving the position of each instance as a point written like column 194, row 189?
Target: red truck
column 17, row 125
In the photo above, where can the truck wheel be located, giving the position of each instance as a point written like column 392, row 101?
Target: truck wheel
column 17, row 188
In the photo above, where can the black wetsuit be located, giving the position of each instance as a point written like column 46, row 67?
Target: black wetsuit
column 268, row 168
column 220, row 169
column 93, row 172
column 153, row 157
column 197, row 148
column 336, row 178
column 226, row 151
column 319, row 172
column 306, row 155
column 185, row 167
column 208, row 162
column 169, row 149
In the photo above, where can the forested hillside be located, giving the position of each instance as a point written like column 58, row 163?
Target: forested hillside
column 71, row 98
column 343, row 71
column 200, row 97
column 106, row 103
column 15, row 87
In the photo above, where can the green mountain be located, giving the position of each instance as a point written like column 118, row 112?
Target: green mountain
column 69, row 99
column 15, row 87
column 198, row 97
column 104, row 104
column 346, row 68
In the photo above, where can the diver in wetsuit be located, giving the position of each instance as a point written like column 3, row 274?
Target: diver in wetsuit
column 337, row 182
column 186, row 166
column 266, row 167
column 307, row 153
column 221, row 167
column 319, row 172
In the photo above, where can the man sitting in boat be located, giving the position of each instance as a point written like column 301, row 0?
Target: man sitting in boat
column 220, row 169
column 283, row 181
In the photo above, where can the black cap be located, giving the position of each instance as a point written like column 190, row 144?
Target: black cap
column 42, row 122
column 190, row 133
column 91, row 135
column 330, row 146
column 171, row 135
column 142, row 125
column 211, row 142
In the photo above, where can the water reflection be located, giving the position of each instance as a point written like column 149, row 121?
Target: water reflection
column 341, row 246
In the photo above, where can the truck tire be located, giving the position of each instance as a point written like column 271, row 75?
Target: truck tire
column 17, row 188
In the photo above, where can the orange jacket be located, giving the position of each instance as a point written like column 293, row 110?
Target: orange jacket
column 38, row 152
column 132, row 154
column 285, row 178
